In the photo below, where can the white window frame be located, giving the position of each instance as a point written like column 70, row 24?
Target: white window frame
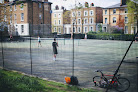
column 125, row 31
column 59, row 29
column 40, row 16
column 91, row 27
column 126, row 20
column 10, row 19
column 59, row 21
column 15, row 18
column 79, row 21
column 85, row 13
column 10, row 7
column 55, row 22
column 79, row 29
column 105, row 11
column 55, row 29
column 114, row 11
column 39, row 5
column 59, row 15
column 22, row 16
column 126, row 10
column 90, row 13
column 85, row 21
column 74, row 31
column 22, row 6
column 5, row 18
column 15, row 7
column 73, row 14
column 85, row 31
column 79, row 13
column 105, row 20
column 114, row 19
column 91, row 22
column 55, row 15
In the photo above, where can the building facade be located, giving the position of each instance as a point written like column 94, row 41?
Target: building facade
column 61, row 21
column 29, row 17
column 117, row 15
column 86, row 19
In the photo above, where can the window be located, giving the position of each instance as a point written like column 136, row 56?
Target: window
column 55, row 22
column 40, row 16
column 10, row 18
column 126, row 10
column 85, row 21
column 85, row 13
column 79, row 29
column 10, row 7
column 105, row 11
column 59, row 21
column 91, row 28
column 114, row 19
column 79, row 13
column 21, row 6
column 55, row 15
column 105, row 20
column 22, row 16
column 15, row 18
column 5, row 18
column 74, row 29
column 55, row 29
column 126, row 30
column 73, row 14
column 79, row 21
column 22, row 28
column 126, row 19
column 73, row 21
column 114, row 11
column 14, row 7
column 85, row 29
column 59, row 30
column 91, row 20
column 39, row 5
column 91, row 12
column 59, row 15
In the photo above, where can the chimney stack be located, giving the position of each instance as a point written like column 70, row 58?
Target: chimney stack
column 123, row 2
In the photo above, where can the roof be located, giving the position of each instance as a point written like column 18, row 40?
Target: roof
column 115, row 6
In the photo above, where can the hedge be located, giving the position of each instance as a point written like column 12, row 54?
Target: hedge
column 124, row 37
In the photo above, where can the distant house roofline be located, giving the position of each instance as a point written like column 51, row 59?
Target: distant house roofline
column 115, row 6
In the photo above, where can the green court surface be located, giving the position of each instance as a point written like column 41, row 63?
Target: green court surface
column 89, row 55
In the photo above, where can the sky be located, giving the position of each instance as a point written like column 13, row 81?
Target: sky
column 68, row 4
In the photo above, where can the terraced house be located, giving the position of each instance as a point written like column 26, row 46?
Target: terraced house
column 117, row 15
column 61, row 21
column 29, row 17
column 86, row 19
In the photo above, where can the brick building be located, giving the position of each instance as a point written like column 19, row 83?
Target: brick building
column 29, row 17
column 87, row 19
column 117, row 15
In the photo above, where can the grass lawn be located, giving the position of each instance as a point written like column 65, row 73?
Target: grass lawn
column 16, row 82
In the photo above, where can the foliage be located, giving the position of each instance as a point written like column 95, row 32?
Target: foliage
column 116, row 30
column 132, row 10
column 108, row 36
column 16, row 82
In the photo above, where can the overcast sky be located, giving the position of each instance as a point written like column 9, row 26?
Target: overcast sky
column 68, row 4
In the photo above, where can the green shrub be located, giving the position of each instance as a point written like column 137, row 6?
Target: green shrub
column 107, row 36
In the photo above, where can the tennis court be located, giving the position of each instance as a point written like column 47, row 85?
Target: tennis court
column 89, row 55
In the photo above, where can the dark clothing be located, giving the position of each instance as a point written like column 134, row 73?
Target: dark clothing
column 54, row 44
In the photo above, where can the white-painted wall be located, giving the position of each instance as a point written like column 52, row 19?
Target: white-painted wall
column 67, row 26
column 26, row 29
